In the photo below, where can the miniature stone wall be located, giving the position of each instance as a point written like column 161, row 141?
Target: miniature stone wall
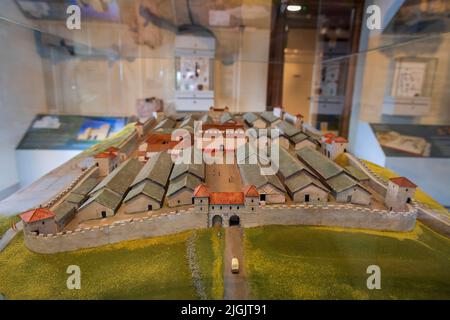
column 135, row 228
column 376, row 182
column 92, row 171
column 348, row 216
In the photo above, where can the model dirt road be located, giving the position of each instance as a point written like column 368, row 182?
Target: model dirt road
column 223, row 178
column 235, row 284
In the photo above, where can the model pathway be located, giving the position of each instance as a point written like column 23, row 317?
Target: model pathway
column 42, row 190
column 428, row 216
column 193, row 265
column 9, row 235
column 235, row 284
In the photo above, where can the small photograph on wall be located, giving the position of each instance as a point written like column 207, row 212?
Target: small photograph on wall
column 69, row 132
column 409, row 78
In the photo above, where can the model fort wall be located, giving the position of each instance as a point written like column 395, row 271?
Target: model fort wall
column 347, row 216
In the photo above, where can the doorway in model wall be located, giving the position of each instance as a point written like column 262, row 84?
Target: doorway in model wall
column 234, row 220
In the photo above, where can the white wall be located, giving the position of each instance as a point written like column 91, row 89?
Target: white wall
column 22, row 93
column 373, row 72
column 298, row 71
column 372, row 78
column 98, row 86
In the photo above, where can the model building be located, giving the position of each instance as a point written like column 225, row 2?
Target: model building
column 224, row 150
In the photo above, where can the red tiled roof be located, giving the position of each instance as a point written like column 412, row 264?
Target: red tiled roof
column 328, row 141
column 36, row 215
column 403, row 182
column 340, row 140
column 226, row 198
column 111, row 152
column 105, row 155
column 250, row 191
column 329, row 135
column 201, row 191
column 111, row 149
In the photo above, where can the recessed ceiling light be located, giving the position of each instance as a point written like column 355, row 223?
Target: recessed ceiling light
column 294, row 8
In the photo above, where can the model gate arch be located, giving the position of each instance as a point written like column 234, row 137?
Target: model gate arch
column 217, row 221
column 234, row 220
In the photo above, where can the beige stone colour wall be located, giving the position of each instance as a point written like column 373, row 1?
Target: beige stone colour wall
column 201, row 204
column 180, row 198
column 251, row 203
column 106, row 165
column 275, row 198
column 272, row 194
column 377, row 186
column 305, row 143
column 347, row 216
column 396, row 197
column 47, row 226
column 361, row 197
column 316, row 195
column 358, row 196
column 131, row 229
column 284, row 142
column 259, row 124
column 140, row 203
column 92, row 211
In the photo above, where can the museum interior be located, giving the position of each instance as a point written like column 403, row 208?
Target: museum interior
column 375, row 72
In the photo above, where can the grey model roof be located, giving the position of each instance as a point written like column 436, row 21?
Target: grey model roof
column 251, row 175
column 206, row 118
column 225, row 117
column 165, row 124
column 148, row 188
column 105, row 197
column 75, row 198
column 179, row 116
column 247, row 152
column 86, row 186
column 120, row 178
column 129, row 146
column 197, row 170
column 63, row 210
column 188, row 122
column 319, row 163
column 289, row 165
column 287, row 129
column 185, row 181
column 298, row 138
column 250, row 117
column 269, row 116
column 341, row 182
column 356, row 173
column 157, row 169
column 165, row 131
column 258, row 132
column 302, row 180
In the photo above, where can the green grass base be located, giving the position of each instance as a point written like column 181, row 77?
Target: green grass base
column 143, row 269
column 297, row 262
column 6, row 223
column 210, row 252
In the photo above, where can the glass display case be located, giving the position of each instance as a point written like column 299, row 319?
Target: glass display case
column 356, row 92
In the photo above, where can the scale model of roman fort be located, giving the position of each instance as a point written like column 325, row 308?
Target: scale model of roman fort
column 132, row 188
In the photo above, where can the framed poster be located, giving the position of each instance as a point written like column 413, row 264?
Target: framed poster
column 412, row 77
column 409, row 78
